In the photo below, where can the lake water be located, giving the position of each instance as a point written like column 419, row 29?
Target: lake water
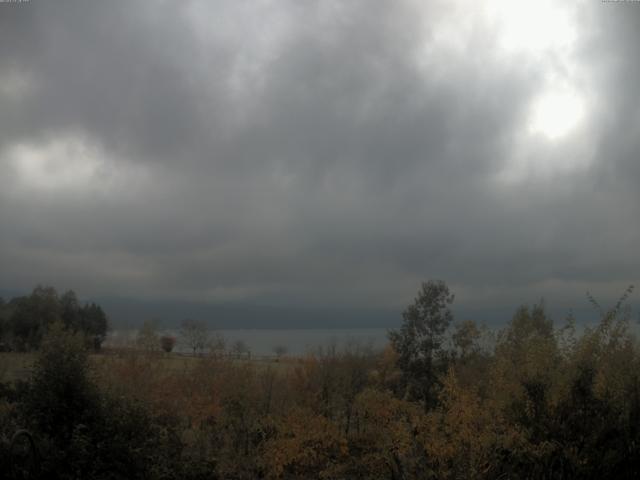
column 263, row 341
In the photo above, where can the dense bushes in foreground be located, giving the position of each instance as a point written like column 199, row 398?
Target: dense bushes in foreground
column 530, row 401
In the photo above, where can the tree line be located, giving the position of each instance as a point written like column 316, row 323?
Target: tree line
column 195, row 337
column 24, row 320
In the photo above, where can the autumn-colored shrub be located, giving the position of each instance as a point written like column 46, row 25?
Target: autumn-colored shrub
column 384, row 441
column 304, row 445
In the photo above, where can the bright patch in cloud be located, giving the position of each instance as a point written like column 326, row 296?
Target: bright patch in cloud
column 556, row 113
column 66, row 164
column 532, row 26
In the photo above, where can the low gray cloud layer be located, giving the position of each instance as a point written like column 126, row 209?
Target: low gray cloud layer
column 320, row 153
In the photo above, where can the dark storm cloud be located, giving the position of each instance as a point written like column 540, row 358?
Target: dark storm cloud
column 311, row 153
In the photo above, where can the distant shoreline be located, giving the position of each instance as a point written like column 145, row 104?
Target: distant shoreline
column 262, row 342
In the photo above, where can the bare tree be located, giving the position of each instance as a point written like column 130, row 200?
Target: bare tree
column 217, row 344
column 280, row 350
column 147, row 337
column 195, row 335
column 240, row 348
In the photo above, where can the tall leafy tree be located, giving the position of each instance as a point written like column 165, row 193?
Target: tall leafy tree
column 70, row 310
column 61, row 394
column 465, row 338
column 419, row 341
column 94, row 324
column 33, row 314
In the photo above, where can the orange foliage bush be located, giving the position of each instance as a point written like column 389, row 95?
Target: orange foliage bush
column 305, row 445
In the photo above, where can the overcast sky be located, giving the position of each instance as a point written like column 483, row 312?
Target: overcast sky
column 321, row 153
